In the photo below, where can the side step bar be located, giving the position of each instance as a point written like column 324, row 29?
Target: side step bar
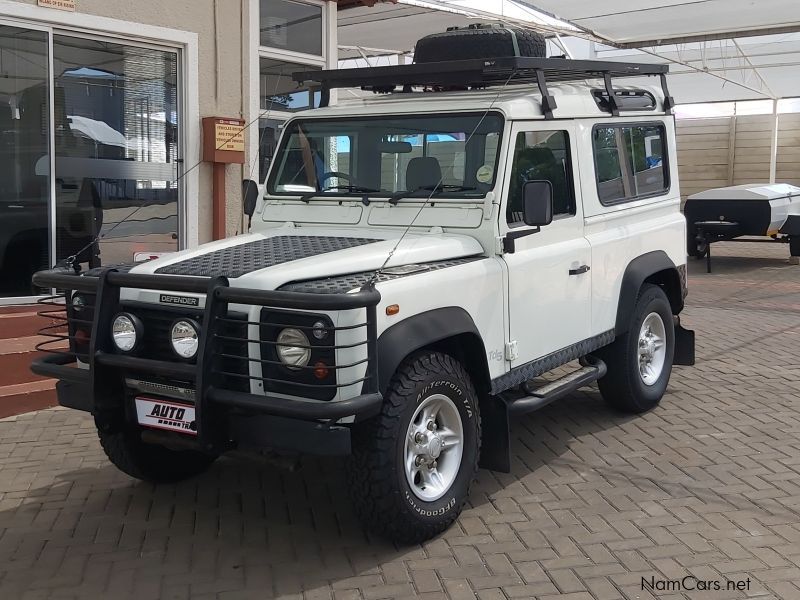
column 592, row 370
column 497, row 411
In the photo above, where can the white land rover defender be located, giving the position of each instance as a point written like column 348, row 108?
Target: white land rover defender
column 418, row 258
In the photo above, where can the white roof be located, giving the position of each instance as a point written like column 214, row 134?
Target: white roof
column 720, row 49
column 515, row 102
column 656, row 22
column 749, row 191
column 393, row 27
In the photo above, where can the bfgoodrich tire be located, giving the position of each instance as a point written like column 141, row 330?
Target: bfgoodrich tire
column 413, row 464
column 640, row 361
column 149, row 462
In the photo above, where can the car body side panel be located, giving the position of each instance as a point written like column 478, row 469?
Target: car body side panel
column 475, row 287
column 622, row 232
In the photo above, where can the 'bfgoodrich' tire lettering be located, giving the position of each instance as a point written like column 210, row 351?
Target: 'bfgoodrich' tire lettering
column 376, row 473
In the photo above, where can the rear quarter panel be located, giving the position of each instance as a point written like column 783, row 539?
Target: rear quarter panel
column 622, row 232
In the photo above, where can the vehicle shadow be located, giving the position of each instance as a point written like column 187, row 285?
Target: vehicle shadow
column 725, row 260
column 247, row 525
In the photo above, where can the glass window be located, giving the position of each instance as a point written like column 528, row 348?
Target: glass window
column 291, row 25
column 541, row 155
column 629, row 162
column 454, row 154
column 280, row 92
column 116, row 136
column 24, row 159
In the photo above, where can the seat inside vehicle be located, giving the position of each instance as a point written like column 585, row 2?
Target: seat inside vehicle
column 423, row 172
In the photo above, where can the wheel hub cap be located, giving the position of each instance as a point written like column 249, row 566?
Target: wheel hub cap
column 433, row 447
column 652, row 348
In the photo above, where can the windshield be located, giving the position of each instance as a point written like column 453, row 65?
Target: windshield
column 451, row 155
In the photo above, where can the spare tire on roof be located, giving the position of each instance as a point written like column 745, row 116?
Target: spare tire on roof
column 479, row 41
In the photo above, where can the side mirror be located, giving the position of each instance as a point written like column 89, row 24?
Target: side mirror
column 249, row 196
column 537, row 203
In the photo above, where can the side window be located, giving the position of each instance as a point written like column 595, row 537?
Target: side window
column 629, row 162
column 541, row 155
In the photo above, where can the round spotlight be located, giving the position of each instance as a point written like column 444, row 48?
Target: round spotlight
column 319, row 330
column 185, row 338
column 293, row 348
column 125, row 330
column 79, row 303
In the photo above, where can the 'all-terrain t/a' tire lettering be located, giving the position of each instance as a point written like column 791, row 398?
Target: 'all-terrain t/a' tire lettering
column 413, row 464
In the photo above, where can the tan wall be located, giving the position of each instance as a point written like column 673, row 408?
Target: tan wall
column 732, row 151
column 225, row 96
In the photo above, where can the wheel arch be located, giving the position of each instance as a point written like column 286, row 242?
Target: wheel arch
column 656, row 268
column 448, row 329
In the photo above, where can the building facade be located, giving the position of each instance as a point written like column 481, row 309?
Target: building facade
column 101, row 104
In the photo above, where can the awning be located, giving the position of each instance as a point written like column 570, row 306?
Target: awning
column 393, row 27
column 653, row 23
column 719, row 49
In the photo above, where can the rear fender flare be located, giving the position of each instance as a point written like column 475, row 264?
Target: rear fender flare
column 636, row 273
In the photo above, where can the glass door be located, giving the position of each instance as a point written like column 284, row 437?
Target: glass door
column 24, row 158
column 116, row 145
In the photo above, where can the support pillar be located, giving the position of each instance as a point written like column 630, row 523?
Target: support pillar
column 773, row 150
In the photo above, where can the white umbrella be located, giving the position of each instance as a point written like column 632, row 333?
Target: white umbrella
column 98, row 131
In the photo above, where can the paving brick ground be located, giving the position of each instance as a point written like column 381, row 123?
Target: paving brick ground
column 707, row 485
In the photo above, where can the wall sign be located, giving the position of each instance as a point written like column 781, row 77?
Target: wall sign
column 229, row 135
column 223, row 140
column 59, row 4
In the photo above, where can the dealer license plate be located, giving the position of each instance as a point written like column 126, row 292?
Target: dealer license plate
column 163, row 414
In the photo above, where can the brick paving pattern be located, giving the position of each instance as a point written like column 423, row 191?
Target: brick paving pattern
column 707, row 485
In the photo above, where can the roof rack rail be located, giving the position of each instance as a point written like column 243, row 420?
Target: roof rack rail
column 481, row 73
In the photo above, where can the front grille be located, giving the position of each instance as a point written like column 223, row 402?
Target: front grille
column 302, row 380
column 156, row 345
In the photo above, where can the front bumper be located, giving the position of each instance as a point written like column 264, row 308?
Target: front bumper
column 226, row 417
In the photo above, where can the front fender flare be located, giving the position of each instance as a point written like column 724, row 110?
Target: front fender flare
column 419, row 331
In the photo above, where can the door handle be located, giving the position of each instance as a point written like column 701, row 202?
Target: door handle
column 579, row 270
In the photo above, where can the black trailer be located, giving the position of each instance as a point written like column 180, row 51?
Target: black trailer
column 765, row 211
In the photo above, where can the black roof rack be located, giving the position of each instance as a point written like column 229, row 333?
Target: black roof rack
column 481, row 73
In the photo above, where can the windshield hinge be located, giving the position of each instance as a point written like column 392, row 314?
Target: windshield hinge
column 499, row 245
column 512, row 351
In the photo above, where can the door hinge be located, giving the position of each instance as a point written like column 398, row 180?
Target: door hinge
column 512, row 352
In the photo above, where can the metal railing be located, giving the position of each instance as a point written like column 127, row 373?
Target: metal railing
column 88, row 335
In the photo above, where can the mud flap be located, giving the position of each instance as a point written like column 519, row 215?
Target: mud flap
column 684, row 345
column 495, row 437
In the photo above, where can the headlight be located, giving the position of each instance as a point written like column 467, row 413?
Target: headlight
column 125, row 331
column 185, row 338
column 293, row 348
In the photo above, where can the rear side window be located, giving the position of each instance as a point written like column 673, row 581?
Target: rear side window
column 630, row 161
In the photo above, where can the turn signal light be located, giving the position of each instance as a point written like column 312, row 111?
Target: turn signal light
column 392, row 309
column 320, row 370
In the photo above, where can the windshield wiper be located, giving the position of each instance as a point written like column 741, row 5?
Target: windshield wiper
column 348, row 188
column 434, row 189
